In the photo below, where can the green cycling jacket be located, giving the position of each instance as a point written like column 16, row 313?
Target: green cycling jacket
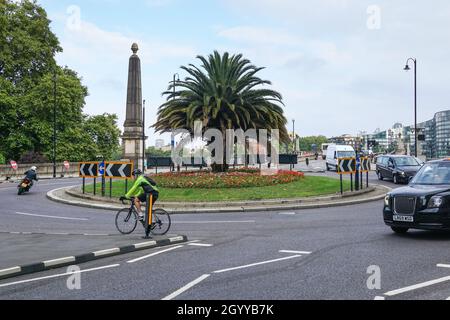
column 138, row 187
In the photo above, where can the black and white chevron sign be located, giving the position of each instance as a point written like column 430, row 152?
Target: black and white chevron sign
column 346, row 165
column 365, row 164
column 122, row 170
column 88, row 169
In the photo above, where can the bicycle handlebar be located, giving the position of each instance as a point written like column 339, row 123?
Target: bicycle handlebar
column 123, row 199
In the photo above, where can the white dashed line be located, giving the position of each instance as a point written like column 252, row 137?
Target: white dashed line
column 443, row 265
column 212, row 222
column 417, row 286
column 153, row 254
column 295, row 252
column 186, row 287
column 257, row 264
column 58, row 275
column 51, row 217
column 200, row 244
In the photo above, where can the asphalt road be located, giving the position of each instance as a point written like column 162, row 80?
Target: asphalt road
column 308, row 254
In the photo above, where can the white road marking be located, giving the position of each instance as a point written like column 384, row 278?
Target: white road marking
column 206, row 222
column 153, row 254
column 416, row 286
column 379, row 298
column 58, row 275
column 295, row 252
column 257, row 264
column 52, row 217
column 186, row 287
column 448, row 298
column 49, row 263
column 4, row 272
column 287, row 213
column 200, row 244
column 440, row 265
column 176, row 239
column 106, row 252
column 145, row 244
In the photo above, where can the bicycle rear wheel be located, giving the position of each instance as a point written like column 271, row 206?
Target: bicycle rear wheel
column 126, row 221
column 161, row 222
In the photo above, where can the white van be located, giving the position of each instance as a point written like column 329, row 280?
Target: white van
column 335, row 151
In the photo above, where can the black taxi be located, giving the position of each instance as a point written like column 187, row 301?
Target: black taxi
column 424, row 203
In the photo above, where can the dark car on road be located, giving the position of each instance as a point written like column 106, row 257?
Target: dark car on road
column 424, row 203
column 399, row 169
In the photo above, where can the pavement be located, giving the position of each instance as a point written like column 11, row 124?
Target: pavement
column 73, row 196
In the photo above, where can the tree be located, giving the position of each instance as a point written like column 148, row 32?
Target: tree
column 27, row 78
column 28, row 46
column 153, row 152
column 226, row 95
column 307, row 142
column 104, row 134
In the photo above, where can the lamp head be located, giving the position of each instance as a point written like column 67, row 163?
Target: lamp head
column 407, row 68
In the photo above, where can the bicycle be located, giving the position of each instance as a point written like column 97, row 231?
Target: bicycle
column 127, row 220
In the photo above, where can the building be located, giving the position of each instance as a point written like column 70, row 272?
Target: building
column 433, row 138
column 347, row 139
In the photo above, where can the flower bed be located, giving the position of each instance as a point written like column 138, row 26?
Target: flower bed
column 232, row 179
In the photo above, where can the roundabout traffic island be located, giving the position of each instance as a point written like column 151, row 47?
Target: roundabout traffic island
column 234, row 191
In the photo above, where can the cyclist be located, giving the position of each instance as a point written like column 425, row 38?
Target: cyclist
column 141, row 188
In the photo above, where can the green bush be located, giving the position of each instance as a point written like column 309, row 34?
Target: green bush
column 2, row 159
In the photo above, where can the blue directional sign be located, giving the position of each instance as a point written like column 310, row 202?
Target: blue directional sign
column 101, row 168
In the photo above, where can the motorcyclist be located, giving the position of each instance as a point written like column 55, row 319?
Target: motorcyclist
column 31, row 175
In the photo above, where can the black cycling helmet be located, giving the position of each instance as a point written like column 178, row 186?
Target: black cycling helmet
column 137, row 172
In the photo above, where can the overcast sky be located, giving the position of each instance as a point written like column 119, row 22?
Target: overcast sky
column 337, row 63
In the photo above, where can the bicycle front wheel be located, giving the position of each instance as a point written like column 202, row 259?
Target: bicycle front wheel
column 161, row 222
column 126, row 221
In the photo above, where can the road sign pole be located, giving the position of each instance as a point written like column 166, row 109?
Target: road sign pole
column 367, row 179
column 95, row 186
column 342, row 187
column 357, row 173
column 361, row 184
column 84, row 183
column 103, row 185
column 351, row 182
column 110, row 187
column 126, row 185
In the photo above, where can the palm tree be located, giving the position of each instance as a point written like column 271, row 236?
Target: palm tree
column 226, row 95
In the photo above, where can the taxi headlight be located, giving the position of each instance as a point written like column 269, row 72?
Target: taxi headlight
column 386, row 200
column 436, row 202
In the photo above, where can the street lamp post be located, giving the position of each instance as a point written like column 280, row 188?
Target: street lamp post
column 143, row 137
column 54, row 124
column 176, row 77
column 407, row 68
column 293, row 135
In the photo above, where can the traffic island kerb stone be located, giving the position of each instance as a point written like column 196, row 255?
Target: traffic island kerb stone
column 73, row 196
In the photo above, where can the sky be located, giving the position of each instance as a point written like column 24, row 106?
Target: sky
column 337, row 63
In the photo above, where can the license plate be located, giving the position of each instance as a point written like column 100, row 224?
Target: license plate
column 403, row 218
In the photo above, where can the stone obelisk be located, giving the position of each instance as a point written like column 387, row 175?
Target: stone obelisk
column 132, row 137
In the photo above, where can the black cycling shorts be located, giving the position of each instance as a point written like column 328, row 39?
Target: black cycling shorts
column 143, row 197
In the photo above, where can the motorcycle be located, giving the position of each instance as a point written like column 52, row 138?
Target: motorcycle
column 24, row 186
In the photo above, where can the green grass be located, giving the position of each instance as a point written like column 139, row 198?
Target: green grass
column 307, row 187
